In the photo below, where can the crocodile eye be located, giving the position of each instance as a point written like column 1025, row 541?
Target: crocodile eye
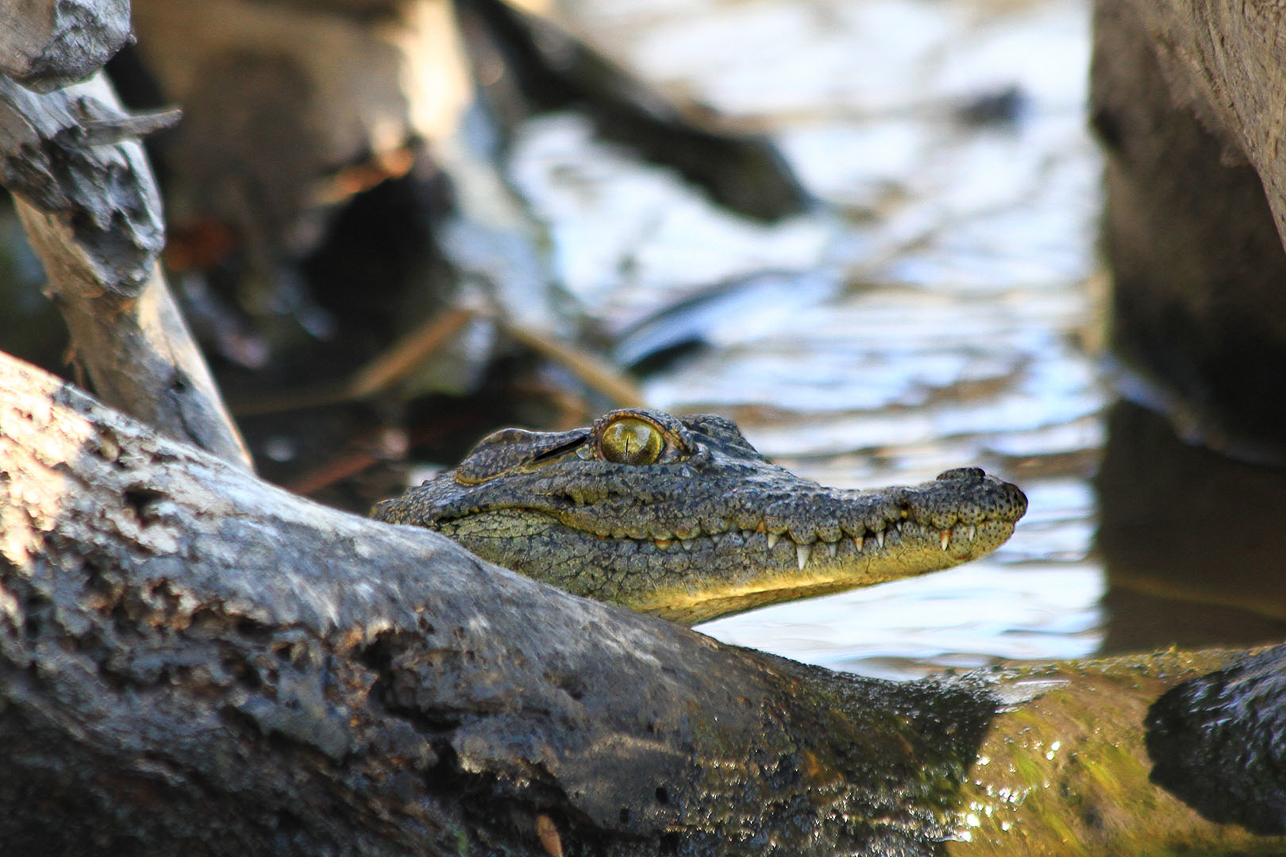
column 632, row 441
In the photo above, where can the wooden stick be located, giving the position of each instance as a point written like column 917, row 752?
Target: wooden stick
column 92, row 214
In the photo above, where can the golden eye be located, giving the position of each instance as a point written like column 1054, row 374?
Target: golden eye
column 632, row 441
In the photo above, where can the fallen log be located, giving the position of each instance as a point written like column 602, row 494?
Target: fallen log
column 193, row 661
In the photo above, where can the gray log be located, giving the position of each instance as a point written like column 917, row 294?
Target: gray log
column 1226, row 61
column 1187, row 98
column 85, row 194
column 195, row 662
column 46, row 44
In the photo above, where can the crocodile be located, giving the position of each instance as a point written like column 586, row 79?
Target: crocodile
column 680, row 516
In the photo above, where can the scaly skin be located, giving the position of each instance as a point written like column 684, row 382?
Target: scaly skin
column 683, row 518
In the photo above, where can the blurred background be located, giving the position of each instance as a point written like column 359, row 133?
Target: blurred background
column 866, row 230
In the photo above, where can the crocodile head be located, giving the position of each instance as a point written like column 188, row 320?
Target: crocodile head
column 682, row 517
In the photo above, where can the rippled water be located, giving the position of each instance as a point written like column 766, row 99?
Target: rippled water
column 937, row 310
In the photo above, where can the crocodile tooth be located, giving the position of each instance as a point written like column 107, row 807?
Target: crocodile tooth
column 879, row 539
column 687, row 543
column 802, row 553
column 760, row 528
column 772, row 540
column 946, row 539
column 833, row 547
column 663, row 544
column 971, row 532
column 857, row 543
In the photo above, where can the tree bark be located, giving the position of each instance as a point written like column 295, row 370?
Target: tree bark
column 1226, row 61
column 84, row 191
column 192, row 661
column 45, row 44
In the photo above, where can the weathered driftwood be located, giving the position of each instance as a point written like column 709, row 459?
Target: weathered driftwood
column 551, row 68
column 85, row 194
column 45, row 44
column 192, row 661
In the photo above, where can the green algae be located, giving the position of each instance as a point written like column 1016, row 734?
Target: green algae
column 1067, row 772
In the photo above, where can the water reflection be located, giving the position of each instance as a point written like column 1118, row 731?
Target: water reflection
column 964, row 618
column 936, row 310
column 929, row 313
column 1191, row 542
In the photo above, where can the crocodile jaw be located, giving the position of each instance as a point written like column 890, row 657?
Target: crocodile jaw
column 909, row 551
column 706, row 576
column 682, row 517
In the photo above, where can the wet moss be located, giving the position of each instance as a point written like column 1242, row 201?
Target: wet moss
column 1068, row 773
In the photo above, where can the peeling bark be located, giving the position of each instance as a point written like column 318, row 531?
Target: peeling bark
column 46, row 44
column 192, row 661
column 58, row 156
column 84, row 191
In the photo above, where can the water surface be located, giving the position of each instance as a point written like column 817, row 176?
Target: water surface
column 938, row 309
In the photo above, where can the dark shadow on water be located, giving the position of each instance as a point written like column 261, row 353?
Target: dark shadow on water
column 1194, row 544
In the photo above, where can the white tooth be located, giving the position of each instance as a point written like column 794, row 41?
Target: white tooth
column 946, row 539
column 687, row 543
column 857, row 543
column 772, row 540
column 879, row 539
column 971, row 532
column 833, row 547
column 801, row 553
column 663, row 544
